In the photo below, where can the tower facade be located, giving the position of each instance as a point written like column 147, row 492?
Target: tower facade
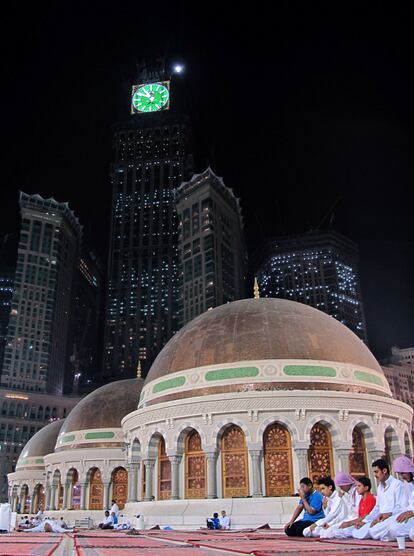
column 211, row 246
column 36, row 355
column 152, row 156
column 319, row 269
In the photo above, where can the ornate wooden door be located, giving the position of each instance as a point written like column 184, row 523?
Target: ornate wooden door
column 60, row 496
column 120, row 486
column 143, row 481
column 76, row 492
column 164, row 473
column 357, row 457
column 96, row 491
column 234, row 463
column 195, row 467
column 41, row 499
column 278, row 461
column 320, row 453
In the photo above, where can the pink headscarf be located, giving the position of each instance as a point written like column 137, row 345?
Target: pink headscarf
column 342, row 479
column 403, row 464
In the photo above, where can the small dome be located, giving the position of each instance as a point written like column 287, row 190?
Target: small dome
column 104, row 408
column 265, row 328
column 41, row 444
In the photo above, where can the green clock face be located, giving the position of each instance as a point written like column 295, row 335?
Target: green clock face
column 150, row 97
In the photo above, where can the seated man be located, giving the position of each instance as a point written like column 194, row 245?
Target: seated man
column 224, row 520
column 335, row 510
column 346, row 485
column 213, row 522
column 366, row 504
column 404, row 466
column 391, row 501
column 108, row 522
column 310, row 501
column 401, row 525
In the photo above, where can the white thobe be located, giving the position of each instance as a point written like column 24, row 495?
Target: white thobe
column 391, row 498
column 351, row 500
column 115, row 509
column 396, row 529
column 335, row 512
column 224, row 522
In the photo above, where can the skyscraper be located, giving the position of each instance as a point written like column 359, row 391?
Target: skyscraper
column 85, row 323
column 316, row 268
column 211, row 246
column 36, row 356
column 152, row 148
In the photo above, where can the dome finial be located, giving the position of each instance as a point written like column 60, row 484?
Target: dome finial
column 256, row 291
column 139, row 369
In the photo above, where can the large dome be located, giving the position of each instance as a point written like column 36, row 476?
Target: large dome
column 265, row 328
column 93, row 420
column 41, row 444
column 262, row 345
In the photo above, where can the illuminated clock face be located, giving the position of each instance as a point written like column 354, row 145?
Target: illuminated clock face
column 150, row 97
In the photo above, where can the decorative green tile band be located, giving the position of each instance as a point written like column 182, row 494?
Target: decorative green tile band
column 167, row 384
column 68, row 438
column 240, row 372
column 367, row 377
column 23, row 462
column 308, row 370
column 103, row 434
column 30, row 462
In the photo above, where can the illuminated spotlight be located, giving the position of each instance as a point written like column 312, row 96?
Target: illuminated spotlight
column 178, row 68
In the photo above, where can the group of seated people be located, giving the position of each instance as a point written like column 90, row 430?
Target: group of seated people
column 216, row 522
column 42, row 524
column 345, row 508
column 111, row 517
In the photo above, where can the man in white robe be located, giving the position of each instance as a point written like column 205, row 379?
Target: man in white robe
column 391, row 501
column 335, row 511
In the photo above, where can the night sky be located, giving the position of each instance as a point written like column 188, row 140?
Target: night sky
column 299, row 110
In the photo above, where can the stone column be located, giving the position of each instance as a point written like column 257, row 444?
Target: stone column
column 175, row 476
column 130, row 471
column 83, row 496
column 343, row 456
column 33, row 502
column 14, row 502
column 133, row 482
column 136, row 493
column 255, row 456
column 106, row 486
column 303, row 468
column 149, row 475
column 48, row 496
column 66, row 495
column 211, row 459
column 52, row 497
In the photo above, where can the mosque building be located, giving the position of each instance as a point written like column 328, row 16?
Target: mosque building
column 240, row 404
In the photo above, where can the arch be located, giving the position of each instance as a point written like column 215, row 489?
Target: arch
column 320, row 452
column 222, row 427
column 277, row 453
column 182, row 433
column 57, row 482
column 96, row 489
column 39, row 494
column 40, row 413
column 235, row 471
column 357, row 460
column 365, row 427
column 152, row 448
column 330, row 424
column 407, row 445
column 47, row 412
column 135, row 456
column 119, row 479
column 391, row 444
column 164, row 472
column 195, row 466
column 25, row 499
column 286, row 423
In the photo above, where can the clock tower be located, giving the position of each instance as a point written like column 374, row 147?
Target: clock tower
column 152, row 157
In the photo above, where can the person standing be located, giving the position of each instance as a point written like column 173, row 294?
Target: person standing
column 114, row 511
column 310, row 504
